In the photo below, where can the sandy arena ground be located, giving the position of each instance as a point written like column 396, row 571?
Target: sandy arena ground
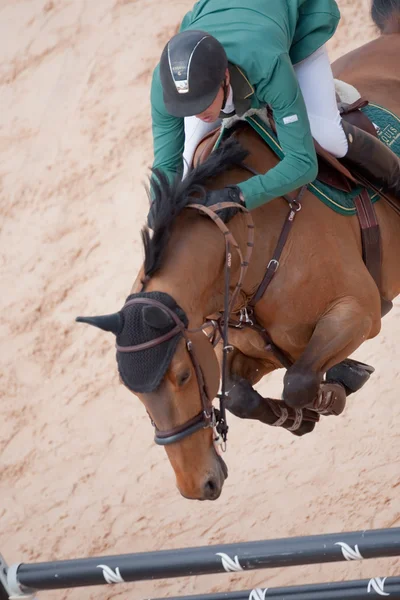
column 80, row 474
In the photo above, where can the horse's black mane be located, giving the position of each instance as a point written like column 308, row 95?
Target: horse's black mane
column 170, row 198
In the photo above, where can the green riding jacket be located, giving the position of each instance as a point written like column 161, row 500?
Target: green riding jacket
column 262, row 39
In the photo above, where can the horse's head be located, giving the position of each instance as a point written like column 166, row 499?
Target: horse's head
column 163, row 355
column 175, row 373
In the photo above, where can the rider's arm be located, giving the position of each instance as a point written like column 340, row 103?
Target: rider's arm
column 168, row 133
column 299, row 165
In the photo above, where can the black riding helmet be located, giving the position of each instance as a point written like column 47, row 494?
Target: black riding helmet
column 192, row 69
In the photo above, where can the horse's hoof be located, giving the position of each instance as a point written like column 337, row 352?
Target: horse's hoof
column 352, row 374
column 305, row 428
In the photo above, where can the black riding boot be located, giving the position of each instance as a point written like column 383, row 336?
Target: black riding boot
column 375, row 161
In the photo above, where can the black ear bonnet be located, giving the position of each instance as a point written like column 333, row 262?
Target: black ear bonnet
column 142, row 371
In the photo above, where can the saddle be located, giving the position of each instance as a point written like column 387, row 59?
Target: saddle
column 334, row 173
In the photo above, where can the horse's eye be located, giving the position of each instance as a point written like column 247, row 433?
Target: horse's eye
column 183, row 377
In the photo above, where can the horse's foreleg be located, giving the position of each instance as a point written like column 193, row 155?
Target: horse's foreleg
column 246, row 403
column 339, row 333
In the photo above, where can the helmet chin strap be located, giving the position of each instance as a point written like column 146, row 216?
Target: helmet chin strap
column 225, row 88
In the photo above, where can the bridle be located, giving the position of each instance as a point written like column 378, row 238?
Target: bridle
column 208, row 417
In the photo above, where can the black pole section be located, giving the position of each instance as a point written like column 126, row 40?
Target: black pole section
column 347, row 590
column 211, row 559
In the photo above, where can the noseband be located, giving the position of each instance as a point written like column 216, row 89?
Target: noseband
column 208, row 415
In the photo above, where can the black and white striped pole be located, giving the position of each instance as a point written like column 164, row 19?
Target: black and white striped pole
column 186, row 562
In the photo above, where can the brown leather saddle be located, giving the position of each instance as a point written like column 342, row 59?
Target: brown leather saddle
column 334, row 173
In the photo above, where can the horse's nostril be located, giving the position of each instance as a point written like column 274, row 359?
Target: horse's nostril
column 212, row 489
column 210, row 485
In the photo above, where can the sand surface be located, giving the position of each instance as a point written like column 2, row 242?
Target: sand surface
column 80, row 474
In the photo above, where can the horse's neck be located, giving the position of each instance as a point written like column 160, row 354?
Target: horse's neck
column 192, row 271
column 193, row 266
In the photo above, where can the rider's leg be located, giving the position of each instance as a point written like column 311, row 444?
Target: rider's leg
column 367, row 153
column 317, row 85
column 195, row 130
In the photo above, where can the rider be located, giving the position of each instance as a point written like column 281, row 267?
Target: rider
column 233, row 55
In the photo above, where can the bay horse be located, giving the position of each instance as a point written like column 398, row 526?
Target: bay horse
column 321, row 305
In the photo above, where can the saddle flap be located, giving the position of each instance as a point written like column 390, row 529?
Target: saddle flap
column 352, row 114
column 331, row 171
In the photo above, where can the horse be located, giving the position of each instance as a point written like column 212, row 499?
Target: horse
column 321, row 305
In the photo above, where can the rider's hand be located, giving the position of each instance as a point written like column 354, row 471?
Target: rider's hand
column 230, row 193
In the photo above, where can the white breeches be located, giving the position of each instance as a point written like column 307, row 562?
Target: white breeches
column 195, row 130
column 317, row 85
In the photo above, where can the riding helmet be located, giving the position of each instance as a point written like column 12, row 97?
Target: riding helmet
column 192, row 69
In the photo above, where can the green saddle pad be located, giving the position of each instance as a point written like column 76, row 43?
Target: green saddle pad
column 340, row 202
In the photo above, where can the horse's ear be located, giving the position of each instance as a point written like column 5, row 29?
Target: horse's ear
column 156, row 317
column 113, row 323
